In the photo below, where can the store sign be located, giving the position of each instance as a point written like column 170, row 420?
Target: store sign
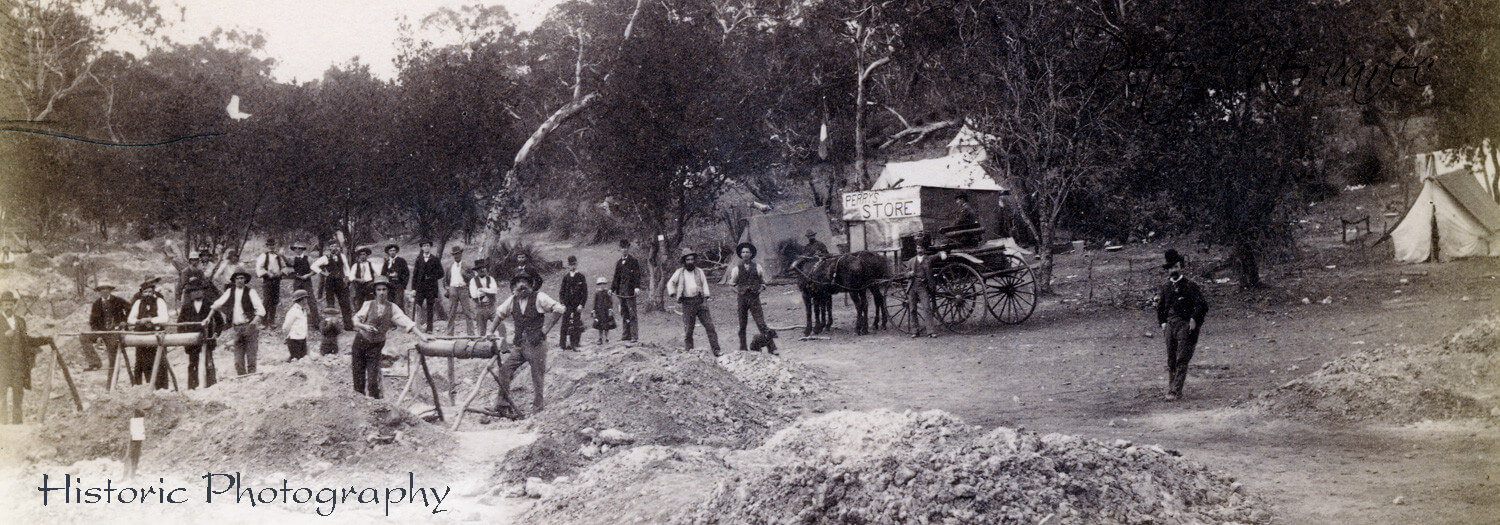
column 880, row 205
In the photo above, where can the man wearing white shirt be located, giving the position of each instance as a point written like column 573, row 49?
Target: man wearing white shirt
column 242, row 306
column 458, row 293
column 484, row 290
column 376, row 317
column 296, row 326
column 689, row 286
column 362, row 276
column 269, row 267
column 533, row 314
column 148, row 313
column 335, row 272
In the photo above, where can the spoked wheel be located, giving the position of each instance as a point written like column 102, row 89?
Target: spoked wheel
column 1011, row 295
column 960, row 292
column 898, row 306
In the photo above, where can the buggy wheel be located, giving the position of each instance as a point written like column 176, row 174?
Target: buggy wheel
column 898, row 306
column 959, row 293
column 1011, row 295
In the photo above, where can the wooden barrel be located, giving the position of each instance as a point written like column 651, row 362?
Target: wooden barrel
column 460, row 348
column 182, row 339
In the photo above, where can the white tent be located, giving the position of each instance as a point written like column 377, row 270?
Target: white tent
column 1452, row 214
column 956, row 172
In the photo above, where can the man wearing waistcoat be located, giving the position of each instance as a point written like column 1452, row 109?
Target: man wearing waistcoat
column 1180, row 309
column 748, row 279
column 574, row 293
column 149, row 313
column 426, row 282
column 300, row 268
column 270, row 267
column 533, row 314
column 362, row 276
column 335, row 271
column 376, row 317
column 458, row 293
column 241, row 306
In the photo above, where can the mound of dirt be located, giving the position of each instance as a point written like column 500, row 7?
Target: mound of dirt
column 1400, row 384
column 654, row 397
column 781, row 381
column 889, row 467
column 296, row 417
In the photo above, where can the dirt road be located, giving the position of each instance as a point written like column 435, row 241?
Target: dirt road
column 1099, row 371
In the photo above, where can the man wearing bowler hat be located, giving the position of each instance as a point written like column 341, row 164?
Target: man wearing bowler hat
column 574, row 294
column 241, row 306
column 626, row 285
column 1180, row 310
column 396, row 271
column 300, row 267
column 689, row 285
column 335, row 272
column 426, row 281
column 748, row 279
column 17, row 355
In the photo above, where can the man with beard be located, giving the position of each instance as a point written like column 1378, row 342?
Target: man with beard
column 108, row 313
column 270, row 267
column 533, row 314
column 335, row 271
column 17, row 355
column 748, row 279
column 149, row 313
column 689, row 286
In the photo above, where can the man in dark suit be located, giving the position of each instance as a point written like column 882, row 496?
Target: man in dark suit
column 197, row 307
column 573, row 295
column 627, row 284
column 17, row 355
column 427, row 281
column 1180, row 309
column 108, row 313
column 397, row 272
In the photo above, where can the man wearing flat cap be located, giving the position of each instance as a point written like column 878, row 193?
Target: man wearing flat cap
column 17, row 355
column 108, row 313
column 241, row 306
column 689, row 285
column 748, row 279
column 1180, row 309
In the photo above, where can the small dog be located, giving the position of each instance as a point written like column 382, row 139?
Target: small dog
column 766, row 340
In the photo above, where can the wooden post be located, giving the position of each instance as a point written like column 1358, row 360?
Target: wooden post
column 47, row 388
column 137, row 438
column 67, row 377
column 161, row 355
column 437, row 404
column 469, row 399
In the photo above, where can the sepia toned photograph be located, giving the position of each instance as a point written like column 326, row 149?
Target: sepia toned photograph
column 1043, row 262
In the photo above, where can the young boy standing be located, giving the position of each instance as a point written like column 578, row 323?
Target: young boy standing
column 296, row 325
column 604, row 316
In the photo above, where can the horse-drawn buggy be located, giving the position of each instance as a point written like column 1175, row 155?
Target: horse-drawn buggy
column 976, row 267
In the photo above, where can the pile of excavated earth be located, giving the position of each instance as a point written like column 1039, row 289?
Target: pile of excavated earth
column 884, row 466
column 298, row 418
column 1454, row 379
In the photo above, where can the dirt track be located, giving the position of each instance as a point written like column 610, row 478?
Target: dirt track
column 1093, row 371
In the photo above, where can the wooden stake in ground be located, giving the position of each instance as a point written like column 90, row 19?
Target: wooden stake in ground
column 137, row 438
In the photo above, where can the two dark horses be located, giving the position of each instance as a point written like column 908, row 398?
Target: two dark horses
column 821, row 278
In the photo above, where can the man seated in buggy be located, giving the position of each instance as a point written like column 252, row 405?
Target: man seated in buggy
column 964, row 232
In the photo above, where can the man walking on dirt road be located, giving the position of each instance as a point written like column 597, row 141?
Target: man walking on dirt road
column 689, row 286
column 534, row 314
column 1180, row 310
column 748, row 279
column 627, row 285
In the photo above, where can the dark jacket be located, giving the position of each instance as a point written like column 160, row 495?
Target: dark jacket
column 627, row 276
column 17, row 354
column 427, row 274
column 574, row 292
column 396, row 271
column 188, row 314
column 108, row 313
column 1181, row 300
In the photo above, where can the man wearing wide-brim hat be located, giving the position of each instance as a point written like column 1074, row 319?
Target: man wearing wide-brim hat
column 149, row 313
column 335, row 272
column 17, row 355
column 456, row 291
column 241, row 306
column 689, row 285
column 534, row 314
column 108, row 313
column 815, row 246
column 362, row 276
column 376, row 317
column 748, row 279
